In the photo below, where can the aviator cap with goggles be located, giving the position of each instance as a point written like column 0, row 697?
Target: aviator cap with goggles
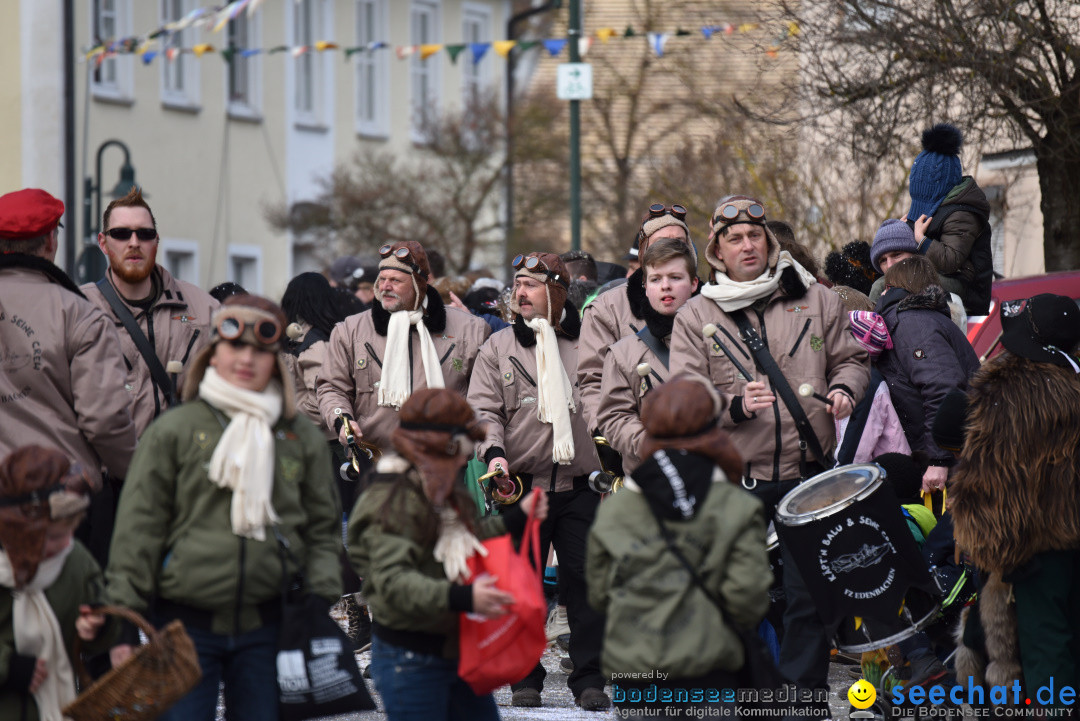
column 243, row 324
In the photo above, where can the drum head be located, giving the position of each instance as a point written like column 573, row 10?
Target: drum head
column 828, row 493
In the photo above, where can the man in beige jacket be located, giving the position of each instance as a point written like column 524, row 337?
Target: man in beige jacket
column 408, row 340
column 522, row 387
column 639, row 363
column 620, row 312
column 61, row 372
column 174, row 316
column 805, row 329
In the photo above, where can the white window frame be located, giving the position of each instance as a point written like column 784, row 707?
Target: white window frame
column 187, row 247
column 475, row 77
column 251, row 107
column 246, row 253
column 114, row 79
column 424, row 14
column 373, row 65
column 184, row 66
column 315, row 115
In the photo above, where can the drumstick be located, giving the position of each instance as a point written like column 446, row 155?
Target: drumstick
column 806, row 390
column 645, row 370
column 709, row 330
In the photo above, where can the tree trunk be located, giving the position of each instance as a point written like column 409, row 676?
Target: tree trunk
column 1059, row 183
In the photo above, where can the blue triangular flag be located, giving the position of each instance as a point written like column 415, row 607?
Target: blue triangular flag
column 657, row 41
column 555, row 46
column 708, row 31
column 478, row 50
column 249, row 52
column 149, row 56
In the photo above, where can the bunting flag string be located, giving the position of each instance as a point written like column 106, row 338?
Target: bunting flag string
column 215, row 20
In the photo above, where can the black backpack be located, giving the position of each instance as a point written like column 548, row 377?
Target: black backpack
column 976, row 294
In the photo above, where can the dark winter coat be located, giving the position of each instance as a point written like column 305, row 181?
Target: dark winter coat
column 958, row 244
column 930, row 357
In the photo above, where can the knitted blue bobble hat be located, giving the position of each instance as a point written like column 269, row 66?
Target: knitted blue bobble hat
column 894, row 234
column 936, row 170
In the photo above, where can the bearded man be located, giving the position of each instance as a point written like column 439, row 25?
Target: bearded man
column 142, row 298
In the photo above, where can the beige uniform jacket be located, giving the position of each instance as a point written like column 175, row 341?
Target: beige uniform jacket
column 807, row 333
column 306, row 367
column 61, row 374
column 622, row 391
column 607, row 319
column 503, row 393
column 178, row 325
column 353, row 367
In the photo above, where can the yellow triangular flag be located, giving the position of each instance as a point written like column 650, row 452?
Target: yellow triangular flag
column 321, row 45
column 503, row 47
column 793, row 28
column 426, row 51
column 748, row 27
column 605, row 34
column 202, row 48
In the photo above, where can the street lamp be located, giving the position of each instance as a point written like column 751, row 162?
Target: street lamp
column 91, row 266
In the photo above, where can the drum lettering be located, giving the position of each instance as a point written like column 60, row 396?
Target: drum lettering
column 833, row 532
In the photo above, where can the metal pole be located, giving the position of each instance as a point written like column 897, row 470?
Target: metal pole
column 573, row 33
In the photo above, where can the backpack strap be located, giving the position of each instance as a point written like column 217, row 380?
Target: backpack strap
column 157, row 371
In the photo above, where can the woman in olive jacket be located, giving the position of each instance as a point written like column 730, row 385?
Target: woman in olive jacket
column 661, row 626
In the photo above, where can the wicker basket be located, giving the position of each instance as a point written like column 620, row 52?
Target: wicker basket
column 143, row 687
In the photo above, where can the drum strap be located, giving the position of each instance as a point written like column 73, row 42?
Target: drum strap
column 767, row 365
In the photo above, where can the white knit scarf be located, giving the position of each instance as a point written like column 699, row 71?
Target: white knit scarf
column 732, row 295
column 394, row 387
column 555, row 395
column 37, row 633
column 243, row 461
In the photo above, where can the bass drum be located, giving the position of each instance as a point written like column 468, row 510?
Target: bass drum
column 850, row 542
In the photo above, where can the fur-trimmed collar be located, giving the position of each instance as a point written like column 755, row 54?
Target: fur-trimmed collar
column 635, row 293
column 933, row 297
column 34, row 262
column 570, row 327
column 434, row 316
column 791, row 285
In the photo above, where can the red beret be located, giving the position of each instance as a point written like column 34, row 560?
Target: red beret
column 29, row 213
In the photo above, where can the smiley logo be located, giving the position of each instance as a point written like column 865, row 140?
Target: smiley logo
column 862, row 694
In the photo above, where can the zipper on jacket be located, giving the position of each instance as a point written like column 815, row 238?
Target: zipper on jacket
column 554, row 473
column 798, row 340
column 239, row 588
column 776, row 406
column 190, row 345
column 521, row 369
column 448, row 352
column 373, row 354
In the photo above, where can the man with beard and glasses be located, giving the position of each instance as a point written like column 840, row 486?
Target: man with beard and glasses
column 61, row 372
column 536, row 430
column 171, row 315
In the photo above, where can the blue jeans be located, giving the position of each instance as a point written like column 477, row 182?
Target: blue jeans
column 418, row 687
column 247, row 663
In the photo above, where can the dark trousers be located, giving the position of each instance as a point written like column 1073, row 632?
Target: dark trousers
column 570, row 514
column 1047, row 591
column 770, row 493
column 804, row 650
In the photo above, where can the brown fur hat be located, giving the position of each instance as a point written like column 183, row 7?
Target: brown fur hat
column 684, row 414
column 415, row 264
column 436, row 425
column 37, row 485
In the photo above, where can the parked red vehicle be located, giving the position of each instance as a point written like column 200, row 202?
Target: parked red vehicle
column 984, row 332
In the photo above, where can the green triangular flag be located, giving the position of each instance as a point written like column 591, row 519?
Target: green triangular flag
column 228, row 53
column 681, row 32
column 629, row 32
column 524, row 45
column 278, row 49
column 349, row 52
column 453, row 51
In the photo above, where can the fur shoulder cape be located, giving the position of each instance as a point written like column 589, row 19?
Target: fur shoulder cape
column 1016, row 492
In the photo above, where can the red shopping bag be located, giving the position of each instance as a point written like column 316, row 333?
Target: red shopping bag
column 503, row 650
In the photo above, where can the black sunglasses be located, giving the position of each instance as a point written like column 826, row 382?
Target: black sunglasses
column 125, row 233
column 266, row 332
